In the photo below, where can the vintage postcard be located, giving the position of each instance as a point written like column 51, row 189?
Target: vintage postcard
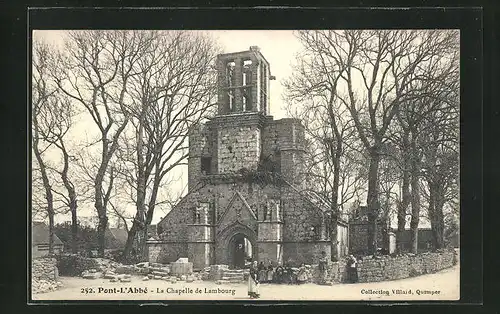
column 245, row 165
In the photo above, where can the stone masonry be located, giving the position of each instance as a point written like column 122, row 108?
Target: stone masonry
column 245, row 180
column 392, row 268
column 44, row 274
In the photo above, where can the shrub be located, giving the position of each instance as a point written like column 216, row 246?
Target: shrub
column 74, row 265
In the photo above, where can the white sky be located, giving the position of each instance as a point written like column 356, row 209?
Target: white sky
column 279, row 47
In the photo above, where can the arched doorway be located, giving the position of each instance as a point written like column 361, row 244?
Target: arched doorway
column 240, row 251
column 234, row 244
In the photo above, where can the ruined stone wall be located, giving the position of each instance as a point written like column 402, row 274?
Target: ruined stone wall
column 270, row 137
column 304, row 252
column 44, row 275
column 291, row 142
column 44, row 268
column 297, row 213
column 201, row 144
column 167, row 252
column 238, row 148
column 174, row 225
column 299, row 216
column 358, row 238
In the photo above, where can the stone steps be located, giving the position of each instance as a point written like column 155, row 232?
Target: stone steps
column 233, row 275
column 160, row 273
column 232, row 278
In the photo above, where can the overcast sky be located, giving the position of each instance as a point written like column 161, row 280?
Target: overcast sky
column 279, row 47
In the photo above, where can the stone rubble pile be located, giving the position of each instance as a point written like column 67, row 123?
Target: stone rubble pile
column 42, row 286
column 106, row 265
column 44, row 275
column 205, row 273
column 181, row 270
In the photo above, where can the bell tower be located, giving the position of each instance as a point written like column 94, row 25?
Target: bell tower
column 243, row 82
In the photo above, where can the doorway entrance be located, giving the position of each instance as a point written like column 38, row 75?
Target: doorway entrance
column 241, row 251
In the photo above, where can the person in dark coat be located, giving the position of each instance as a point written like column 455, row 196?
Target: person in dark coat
column 352, row 270
column 279, row 274
column 287, row 274
column 322, row 266
column 262, row 272
column 270, row 272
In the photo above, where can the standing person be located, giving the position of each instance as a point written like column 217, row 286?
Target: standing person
column 262, row 272
column 323, row 273
column 288, row 273
column 278, row 274
column 302, row 275
column 352, row 270
column 270, row 271
column 253, row 282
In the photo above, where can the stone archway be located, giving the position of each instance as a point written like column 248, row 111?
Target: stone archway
column 228, row 241
column 240, row 248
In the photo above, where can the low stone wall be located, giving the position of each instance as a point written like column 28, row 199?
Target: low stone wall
column 44, row 274
column 385, row 268
column 408, row 265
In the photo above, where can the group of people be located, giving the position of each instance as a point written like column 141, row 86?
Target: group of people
column 260, row 273
column 281, row 274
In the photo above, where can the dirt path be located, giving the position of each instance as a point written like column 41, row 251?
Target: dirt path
column 443, row 285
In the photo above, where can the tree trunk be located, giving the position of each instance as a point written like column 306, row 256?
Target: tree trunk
column 74, row 228
column 373, row 200
column 415, row 213
column 386, row 226
column 333, row 223
column 73, row 205
column 132, row 233
column 405, row 198
column 101, row 212
column 48, row 189
column 436, row 216
column 415, row 200
column 51, row 233
column 439, row 225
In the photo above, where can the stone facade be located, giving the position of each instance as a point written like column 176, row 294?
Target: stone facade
column 245, row 179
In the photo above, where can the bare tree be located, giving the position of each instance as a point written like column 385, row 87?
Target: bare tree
column 175, row 90
column 95, row 73
column 374, row 70
column 311, row 94
column 43, row 123
column 436, row 109
column 63, row 113
column 440, row 170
